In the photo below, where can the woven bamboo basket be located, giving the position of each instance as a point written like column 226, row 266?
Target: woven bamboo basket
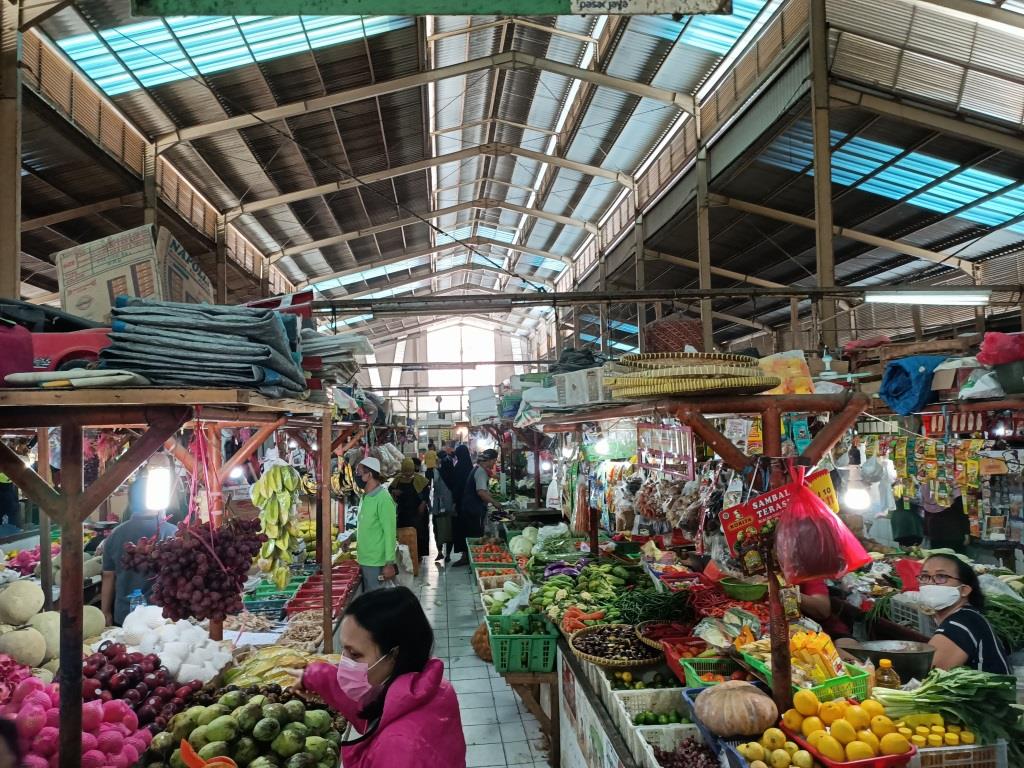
column 612, row 663
column 665, row 359
column 686, row 371
column 737, row 385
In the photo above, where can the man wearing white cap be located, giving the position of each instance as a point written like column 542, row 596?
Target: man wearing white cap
column 376, row 528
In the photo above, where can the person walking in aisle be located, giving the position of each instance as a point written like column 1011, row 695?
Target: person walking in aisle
column 463, row 469
column 475, row 498
column 442, row 507
column 430, row 460
column 389, row 687
column 411, row 492
column 376, row 535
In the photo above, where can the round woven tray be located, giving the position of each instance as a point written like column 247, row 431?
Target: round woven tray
column 635, row 376
column 663, row 359
column 612, row 663
column 643, row 626
column 747, row 385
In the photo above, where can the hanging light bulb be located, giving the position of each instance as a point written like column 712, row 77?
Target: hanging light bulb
column 158, row 483
column 293, row 443
column 236, row 473
column 545, row 466
column 857, row 498
column 567, row 451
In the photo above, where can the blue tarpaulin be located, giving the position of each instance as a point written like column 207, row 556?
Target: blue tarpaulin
column 907, row 382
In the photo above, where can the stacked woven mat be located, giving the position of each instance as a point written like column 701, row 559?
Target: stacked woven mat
column 685, row 373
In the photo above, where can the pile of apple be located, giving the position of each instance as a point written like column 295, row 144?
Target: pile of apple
column 139, row 679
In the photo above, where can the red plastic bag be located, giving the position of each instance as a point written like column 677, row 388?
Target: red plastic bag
column 1001, row 348
column 811, row 542
column 908, row 570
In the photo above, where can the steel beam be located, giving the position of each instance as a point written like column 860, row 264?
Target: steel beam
column 507, row 60
column 975, row 10
column 35, row 12
column 824, row 247
column 354, row 182
column 721, row 272
column 50, row 219
column 414, row 278
column 704, row 249
column 10, row 151
column 850, row 234
column 989, row 136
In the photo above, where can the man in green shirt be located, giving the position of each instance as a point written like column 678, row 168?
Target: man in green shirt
column 376, row 537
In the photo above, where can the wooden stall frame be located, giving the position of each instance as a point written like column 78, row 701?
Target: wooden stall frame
column 161, row 413
column 693, row 412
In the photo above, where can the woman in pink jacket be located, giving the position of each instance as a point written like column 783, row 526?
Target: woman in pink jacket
column 389, row 688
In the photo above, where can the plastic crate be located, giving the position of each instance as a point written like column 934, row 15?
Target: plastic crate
column 909, row 616
column 718, row 745
column 581, row 387
column 664, row 737
column 987, row 756
column 534, row 652
column 885, row 761
column 675, row 660
column 488, row 583
column 602, row 681
column 694, row 668
column 852, row 685
column 1011, row 377
column 627, row 704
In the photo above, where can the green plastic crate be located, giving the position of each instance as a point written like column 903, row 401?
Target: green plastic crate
column 852, row 685
column 531, row 651
column 694, row 668
column 470, row 543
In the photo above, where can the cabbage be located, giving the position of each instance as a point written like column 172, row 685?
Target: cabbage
column 531, row 532
column 520, row 545
column 511, row 588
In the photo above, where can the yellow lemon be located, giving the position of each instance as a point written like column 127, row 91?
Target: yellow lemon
column 802, row 759
column 830, row 712
column 792, row 720
column 857, row 716
column 806, row 703
column 858, row 750
column 815, row 737
column 843, row 732
column 780, row 759
column 773, row 739
column 831, row 749
column 752, row 751
column 894, row 744
column 882, row 725
column 758, row 764
column 790, row 747
column 870, row 739
column 872, row 707
column 810, row 725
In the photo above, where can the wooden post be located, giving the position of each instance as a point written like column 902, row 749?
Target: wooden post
column 45, row 555
column 782, row 669
column 595, row 523
column 325, row 523
column 71, row 598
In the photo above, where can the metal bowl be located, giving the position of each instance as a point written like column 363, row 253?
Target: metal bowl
column 909, row 659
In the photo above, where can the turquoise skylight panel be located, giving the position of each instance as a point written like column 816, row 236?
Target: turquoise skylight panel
column 159, row 51
column 916, row 178
column 715, row 33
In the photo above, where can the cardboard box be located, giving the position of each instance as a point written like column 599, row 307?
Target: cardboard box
column 950, row 380
column 147, row 262
column 816, row 366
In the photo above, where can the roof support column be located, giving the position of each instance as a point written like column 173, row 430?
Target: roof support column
column 641, row 281
column 704, row 248
column 603, row 318
column 826, row 262
column 10, row 152
column 222, row 259
column 150, row 194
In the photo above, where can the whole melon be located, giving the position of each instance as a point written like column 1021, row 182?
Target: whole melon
column 26, row 646
column 94, row 622
column 19, row 602
column 48, row 624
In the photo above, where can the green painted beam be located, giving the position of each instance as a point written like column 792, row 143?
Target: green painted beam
column 424, row 7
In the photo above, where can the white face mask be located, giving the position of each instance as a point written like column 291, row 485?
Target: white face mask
column 935, row 597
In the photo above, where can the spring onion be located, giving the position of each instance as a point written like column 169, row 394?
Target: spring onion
column 985, row 703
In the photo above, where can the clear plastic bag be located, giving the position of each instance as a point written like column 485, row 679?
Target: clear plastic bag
column 811, row 542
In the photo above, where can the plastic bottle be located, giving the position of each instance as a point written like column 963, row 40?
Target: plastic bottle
column 869, row 667
column 886, row 676
column 136, row 600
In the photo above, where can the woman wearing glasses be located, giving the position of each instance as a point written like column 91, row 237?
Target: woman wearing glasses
column 964, row 638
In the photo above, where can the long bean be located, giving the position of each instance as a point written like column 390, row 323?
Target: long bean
column 637, row 606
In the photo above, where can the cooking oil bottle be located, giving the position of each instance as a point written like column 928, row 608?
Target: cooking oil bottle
column 886, row 676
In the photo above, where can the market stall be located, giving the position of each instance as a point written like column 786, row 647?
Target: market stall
column 159, row 414
column 668, row 632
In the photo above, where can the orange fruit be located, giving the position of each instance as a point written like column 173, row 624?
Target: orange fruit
column 810, row 725
column 857, row 716
column 806, row 703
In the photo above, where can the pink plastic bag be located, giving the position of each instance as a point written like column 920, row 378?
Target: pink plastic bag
column 1001, row 348
column 811, row 542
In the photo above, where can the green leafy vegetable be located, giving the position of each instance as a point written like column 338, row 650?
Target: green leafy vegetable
column 1006, row 615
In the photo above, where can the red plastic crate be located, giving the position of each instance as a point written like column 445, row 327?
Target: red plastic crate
column 673, row 658
column 883, row 761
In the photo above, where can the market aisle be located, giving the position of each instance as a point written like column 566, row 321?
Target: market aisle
column 499, row 730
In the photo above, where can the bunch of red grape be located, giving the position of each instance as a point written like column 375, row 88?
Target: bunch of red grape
column 199, row 571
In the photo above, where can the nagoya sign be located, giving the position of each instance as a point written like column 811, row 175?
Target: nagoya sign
column 425, row 7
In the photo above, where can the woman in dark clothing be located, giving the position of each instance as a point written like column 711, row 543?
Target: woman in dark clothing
column 463, row 469
column 411, row 492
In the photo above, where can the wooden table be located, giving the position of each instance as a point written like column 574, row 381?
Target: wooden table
column 528, row 686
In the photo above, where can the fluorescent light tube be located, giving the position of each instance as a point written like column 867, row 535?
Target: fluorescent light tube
column 965, row 298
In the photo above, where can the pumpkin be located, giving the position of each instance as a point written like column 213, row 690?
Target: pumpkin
column 735, row 708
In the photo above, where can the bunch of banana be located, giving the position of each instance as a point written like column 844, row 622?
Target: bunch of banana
column 309, row 484
column 275, row 494
column 343, row 482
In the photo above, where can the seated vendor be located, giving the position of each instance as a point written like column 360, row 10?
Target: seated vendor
column 964, row 638
column 815, row 603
